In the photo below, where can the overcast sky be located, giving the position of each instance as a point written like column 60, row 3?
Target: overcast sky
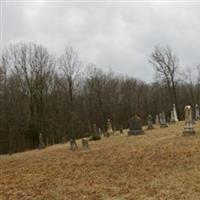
column 113, row 35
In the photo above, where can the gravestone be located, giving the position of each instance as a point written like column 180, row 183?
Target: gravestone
column 41, row 143
column 135, row 126
column 197, row 115
column 175, row 113
column 109, row 128
column 157, row 120
column 73, row 144
column 163, row 123
column 172, row 120
column 149, row 122
column 188, row 129
column 85, row 143
column 99, row 131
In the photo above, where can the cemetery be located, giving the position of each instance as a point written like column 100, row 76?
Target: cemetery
column 99, row 100
column 142, row 162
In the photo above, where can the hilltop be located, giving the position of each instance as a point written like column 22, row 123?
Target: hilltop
column 162, row 164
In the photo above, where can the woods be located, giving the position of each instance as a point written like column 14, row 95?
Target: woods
column 62, row 97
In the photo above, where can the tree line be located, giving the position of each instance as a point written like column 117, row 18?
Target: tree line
column 62, row 98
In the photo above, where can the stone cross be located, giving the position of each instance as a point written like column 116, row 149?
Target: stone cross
column 188, row 130
column 41, row 143
column 135, row 126
column 163, row 123
column 150, row 122
column 197, row 115
column 175, row 113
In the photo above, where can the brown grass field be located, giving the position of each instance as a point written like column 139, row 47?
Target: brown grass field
column 162, row 164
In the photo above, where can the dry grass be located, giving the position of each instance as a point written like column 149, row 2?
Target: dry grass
column 162, row 164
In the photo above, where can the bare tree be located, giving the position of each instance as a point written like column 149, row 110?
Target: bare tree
column 32, row 65
column 4, row 135
column 70, row 66
column 61, row 101
column 165, row 64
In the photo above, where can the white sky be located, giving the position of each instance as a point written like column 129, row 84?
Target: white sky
column 113, row 35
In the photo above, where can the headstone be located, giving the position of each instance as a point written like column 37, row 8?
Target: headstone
column 99, row 131
column 163, row 123
column 109, row 128
column 197, row 115
column 150, row 122
column 157, row 120
column 85, row 143
column 172, row 120
column 41, row 143
column 135, row 126
column 95, row 133
column 73, row 144
column 188, row 130
column 175, row 113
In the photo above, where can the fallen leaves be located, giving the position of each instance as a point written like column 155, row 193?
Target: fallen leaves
column 158, row 165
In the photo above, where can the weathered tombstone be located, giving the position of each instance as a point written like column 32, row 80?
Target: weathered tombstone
column 135, row 126
column 157, row 120
column 172, row 120
column 175, row 113
column 41, row 143
column 188, row 130
column 73, row 144
column 95, row 133
column 163, row 123
column 149, row 122
column 85, row 143
column 109, row 128
column 197, row 115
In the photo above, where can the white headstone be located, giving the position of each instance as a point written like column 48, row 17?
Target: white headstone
column 163, row 123
column 172, row 120
column 109, row 127
column 175, row 113
column 188, row 121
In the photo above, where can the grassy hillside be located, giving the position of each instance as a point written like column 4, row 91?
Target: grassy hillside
column 162, row 164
